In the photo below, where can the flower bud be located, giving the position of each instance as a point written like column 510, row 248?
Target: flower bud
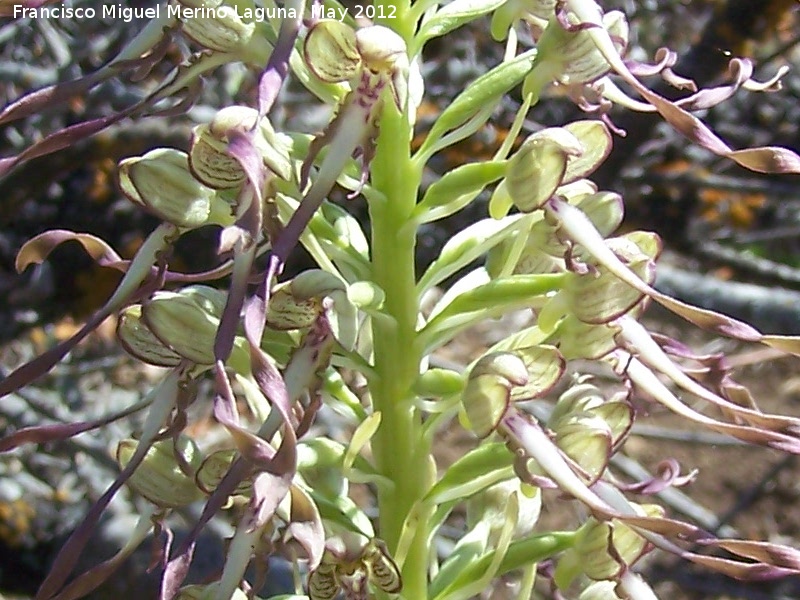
column 604, row 550
column 538, row 167
column 604, row 210
column 315, row 283
column 139, row 341
column 331, row 51
column 485, row 401
column 488, row 391
column 335, row 53
column 224, row 31
column 581, row 397
column 210, row 160
column 599, row 296
column 186, row 321
column 297, row 303
column 506, row 365
column 586, row 439
column 380, row 48
column 159, row 477
column 544, row 365
column 554, row 157
column 595, row 139
column 161, row 181
column 587, row 399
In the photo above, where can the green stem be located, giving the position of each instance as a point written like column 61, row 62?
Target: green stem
column 397, row 15
column 400, row 449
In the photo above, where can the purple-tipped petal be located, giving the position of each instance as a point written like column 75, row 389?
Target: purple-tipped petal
column 42, row 434
column 52, row 95
column 273, row 76
column 37, row 249
column 668, row 474
column 63, row 138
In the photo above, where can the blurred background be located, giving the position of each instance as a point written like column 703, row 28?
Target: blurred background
column 732, row 242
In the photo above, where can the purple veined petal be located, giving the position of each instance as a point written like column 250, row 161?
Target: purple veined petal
column 604, row 501
column 109, row 258
column 306, row 526
column 224, row 401
column 252, row 448
column 766, row 159
column 224, row 408
column 142, row 52
column 273, row 76
column 581, row 230
column 775, row 554
column 537, row 445
column 178, row 566
column 773, row 84
column 647, row 381
column 763, row 160
column 664, row 59
column 229, row 320
column 242, row 147
column 784, row 343
column 268, row 492
column 668, row 474
column 775, row 560
column 740, row 71
column 44, row 362
column 651, row 354
column 186, row 97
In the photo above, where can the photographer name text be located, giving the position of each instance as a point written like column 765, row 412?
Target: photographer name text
column 128, row 13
